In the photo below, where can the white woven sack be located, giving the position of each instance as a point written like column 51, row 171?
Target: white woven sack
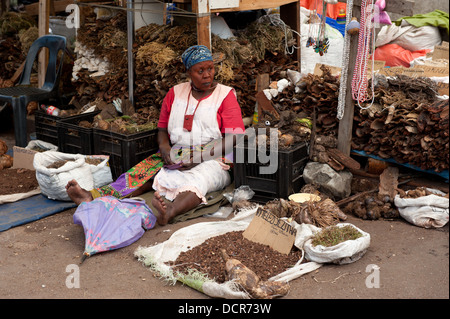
column 343, row 253
column 429, row 211
column 188, row 237
column 409, row 37
column 53, row 181
column 101, row 173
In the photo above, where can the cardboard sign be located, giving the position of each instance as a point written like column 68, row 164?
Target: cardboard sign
column 377, row 65
column 266, row 228
column 335, row 71
column 23, row 158
column 443, row 88
column 396, row 70
column 437, row 71
column 440, row 52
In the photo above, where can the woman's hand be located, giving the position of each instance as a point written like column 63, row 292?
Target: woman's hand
column 165, row 154
column 190, row 160
column 186, row 166
column 164, row 146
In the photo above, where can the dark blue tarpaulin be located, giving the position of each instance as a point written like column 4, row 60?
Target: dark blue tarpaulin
column 443, row 174
column 30, row 209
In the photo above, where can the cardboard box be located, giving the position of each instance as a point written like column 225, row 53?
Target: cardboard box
column 23, row 158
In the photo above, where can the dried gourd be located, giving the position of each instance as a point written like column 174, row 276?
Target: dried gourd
column 6, row 161
column 3, row 147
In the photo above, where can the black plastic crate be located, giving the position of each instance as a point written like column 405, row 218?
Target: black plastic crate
column 124, row 151
column 46, row 125
column 76, row 139
column 286, row 180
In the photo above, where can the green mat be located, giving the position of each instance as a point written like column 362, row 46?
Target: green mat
column 215, row 200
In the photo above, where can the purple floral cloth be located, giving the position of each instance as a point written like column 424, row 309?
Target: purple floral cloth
column 110, row 223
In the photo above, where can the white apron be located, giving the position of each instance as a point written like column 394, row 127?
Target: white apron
column 208, row 176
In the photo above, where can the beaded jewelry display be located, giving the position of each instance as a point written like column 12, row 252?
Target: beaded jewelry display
column 365, row 40
column 322, row 42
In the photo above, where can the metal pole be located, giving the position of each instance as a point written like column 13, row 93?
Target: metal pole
column 130, row 38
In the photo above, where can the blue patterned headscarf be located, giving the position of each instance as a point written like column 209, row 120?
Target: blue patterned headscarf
column 196, row 54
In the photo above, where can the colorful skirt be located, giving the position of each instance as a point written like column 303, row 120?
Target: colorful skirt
column 132, row 179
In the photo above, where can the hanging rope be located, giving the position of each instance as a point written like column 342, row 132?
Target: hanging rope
column 367, row 29
column 275, row 20
column 344, row 67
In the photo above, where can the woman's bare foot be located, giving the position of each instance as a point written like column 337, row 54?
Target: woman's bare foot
column 77, row 194
column 183, row 203
column 160, row 205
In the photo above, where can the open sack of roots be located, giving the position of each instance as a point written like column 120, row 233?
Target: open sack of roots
column 241, row 282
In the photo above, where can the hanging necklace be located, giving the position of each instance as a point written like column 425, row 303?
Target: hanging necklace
column 188, row 120
column 196, row 89
column 360, row 81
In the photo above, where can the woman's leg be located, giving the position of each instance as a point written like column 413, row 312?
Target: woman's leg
column 79, row 195
column 183, row 203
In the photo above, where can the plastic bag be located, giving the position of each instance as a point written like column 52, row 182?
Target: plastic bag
column 41, row 144
column 53, row 181
column 429, row 211
column 243, row 192
column 343, row 253
column 395, row 55
column 16, row 197
column 310, row 58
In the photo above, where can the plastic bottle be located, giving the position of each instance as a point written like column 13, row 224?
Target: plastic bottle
column 50, row 109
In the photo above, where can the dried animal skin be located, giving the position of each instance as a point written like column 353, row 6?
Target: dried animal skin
column 238, row 272
column 270, row 289
column 250, row 282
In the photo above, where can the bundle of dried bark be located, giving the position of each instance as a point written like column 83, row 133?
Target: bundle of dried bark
column 157, row 51
column 313, row 91
column 324, row 150
column 406, row 123
column 321, row 214
column 11, row 57
column 289, row 130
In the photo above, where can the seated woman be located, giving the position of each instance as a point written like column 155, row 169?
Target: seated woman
column 198, row 124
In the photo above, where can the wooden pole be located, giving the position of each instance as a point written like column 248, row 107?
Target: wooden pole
column 346, row 123
column 130, row 57
column 43, row 24
column 201, row 8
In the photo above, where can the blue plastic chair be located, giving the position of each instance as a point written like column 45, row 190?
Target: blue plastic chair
column 20, row 95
